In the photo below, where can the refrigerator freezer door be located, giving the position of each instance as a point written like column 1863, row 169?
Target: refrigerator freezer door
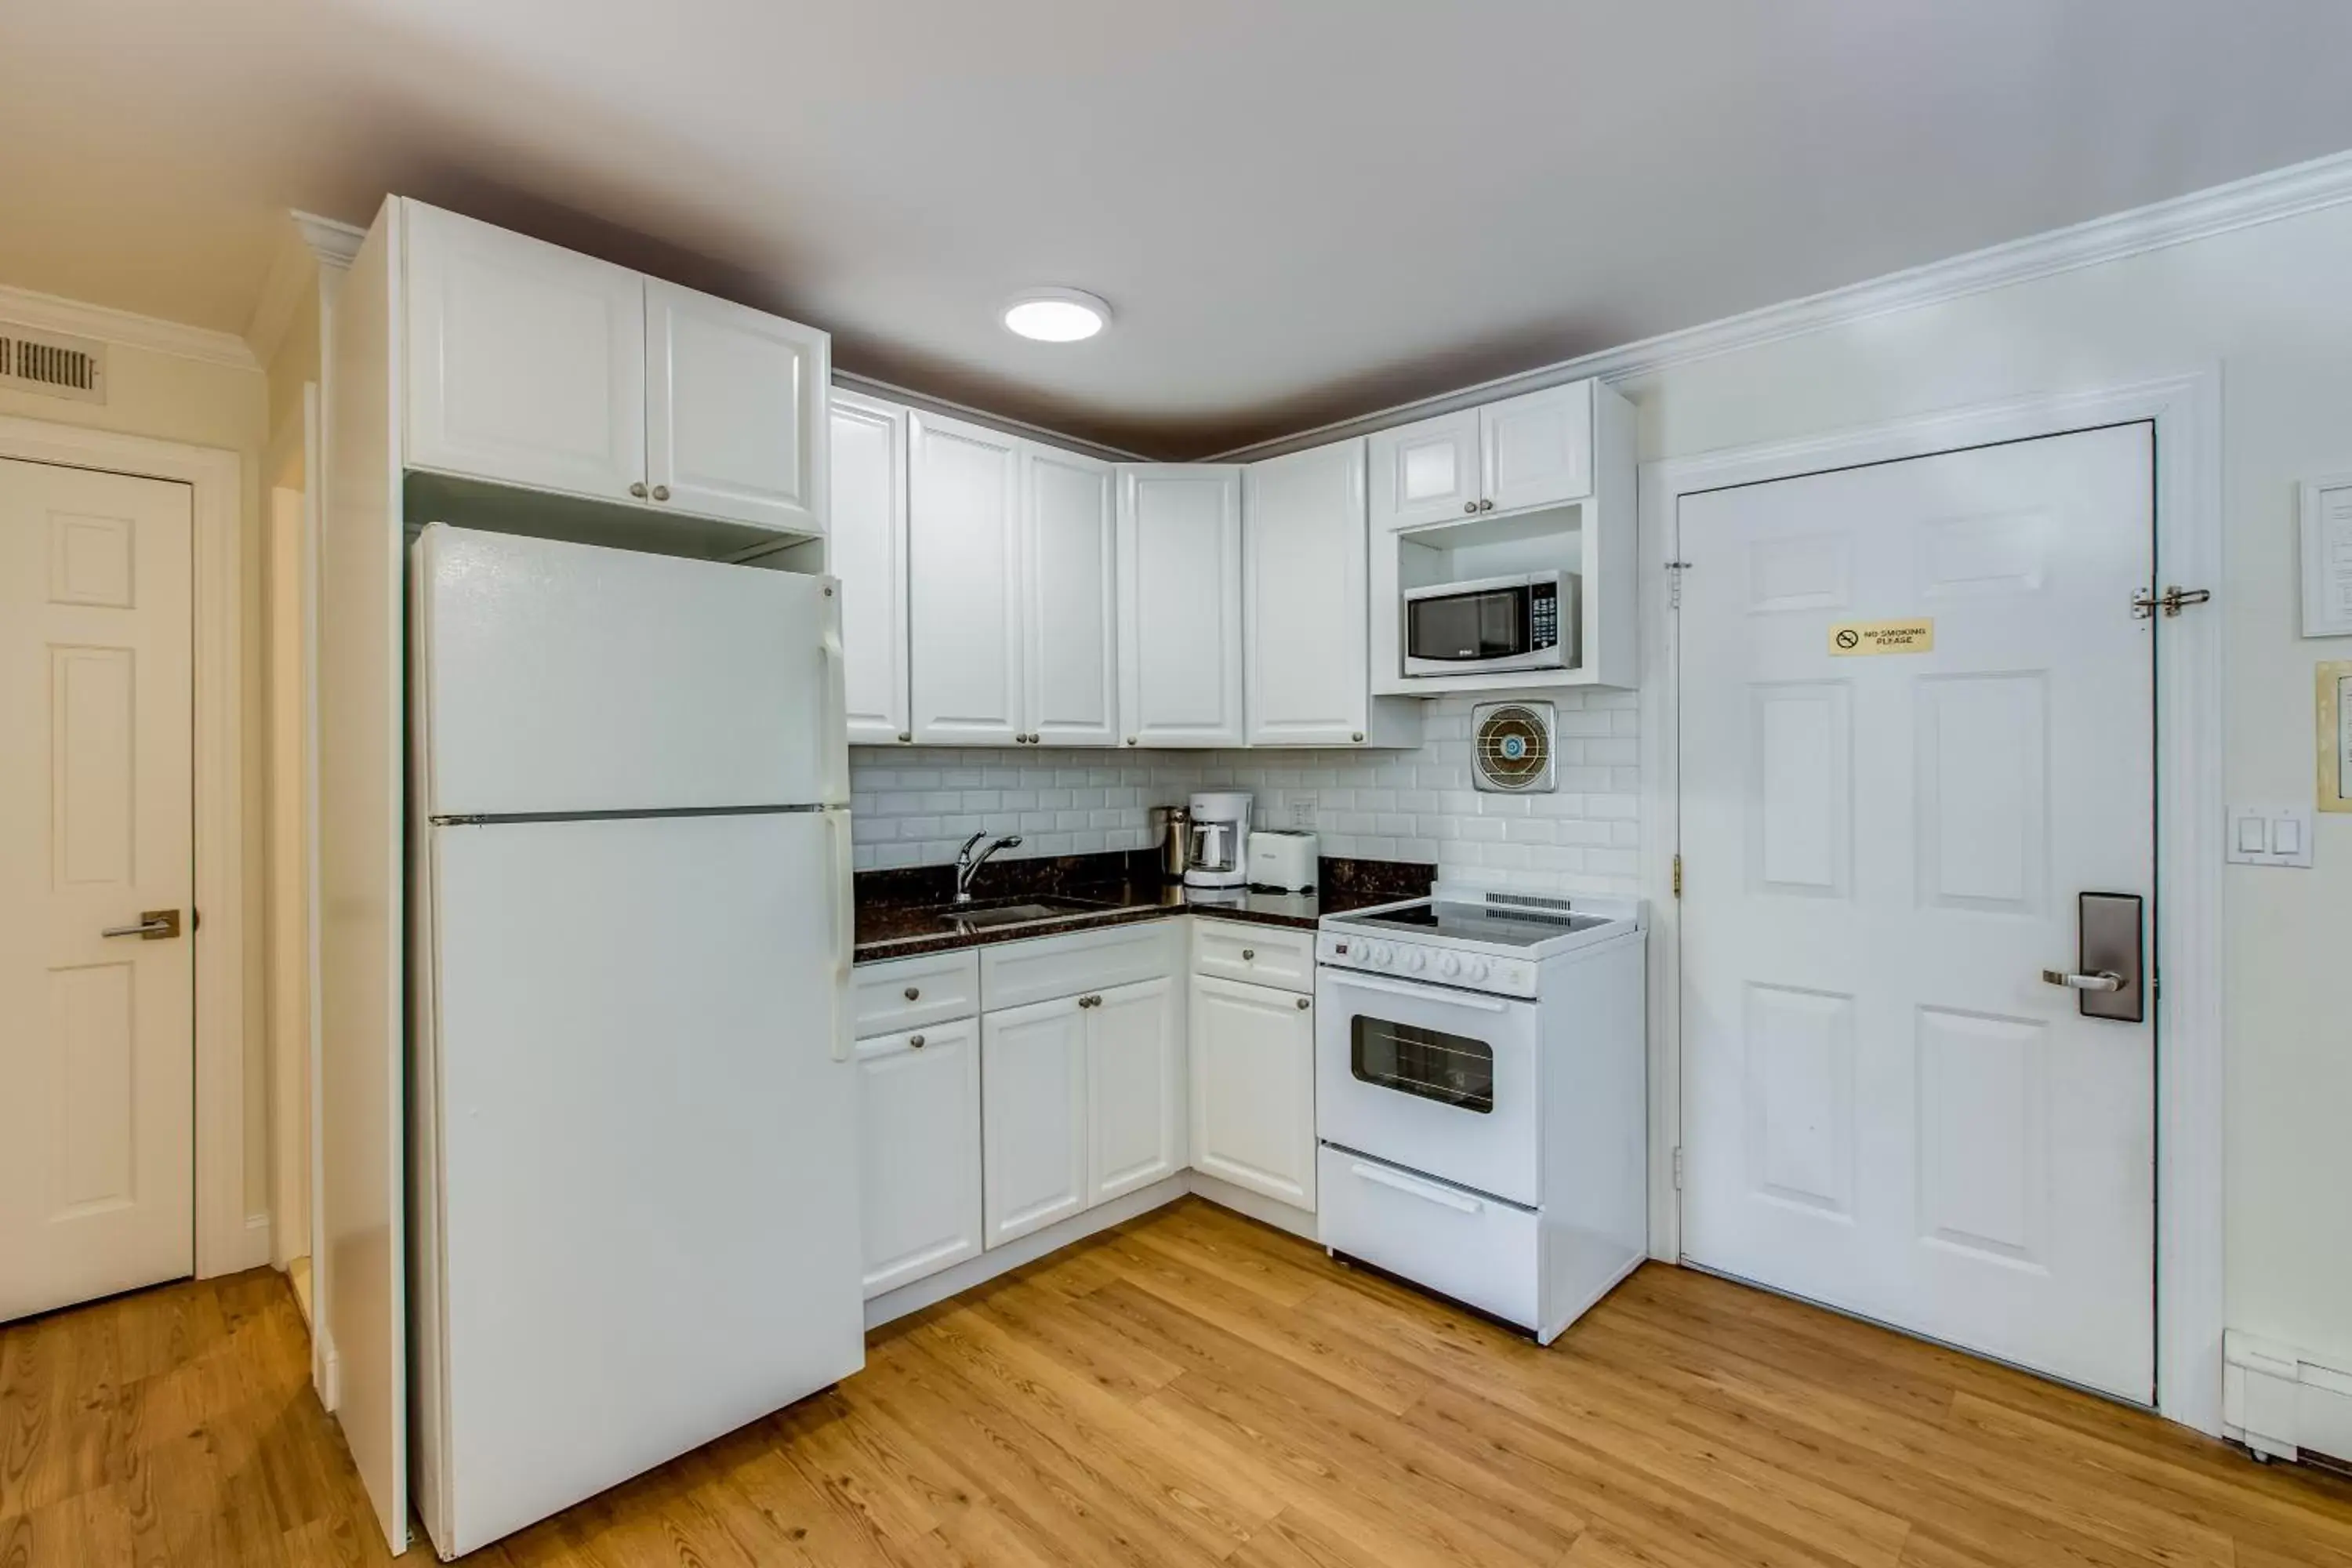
column 561, row 679
column 645, row 1229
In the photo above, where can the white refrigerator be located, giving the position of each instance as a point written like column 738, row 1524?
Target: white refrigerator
column 634, row 1216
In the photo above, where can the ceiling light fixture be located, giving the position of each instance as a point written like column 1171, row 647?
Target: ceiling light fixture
column 1055, row 315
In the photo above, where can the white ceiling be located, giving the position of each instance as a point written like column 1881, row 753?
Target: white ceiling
column 1299, row 209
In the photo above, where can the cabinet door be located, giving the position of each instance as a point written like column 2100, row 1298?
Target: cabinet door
column 1426, row 472
column 1135, row 1088
column 1536, row 449
column 918, row 1151
column 1304, row 595
column 1252, row 1050
column 1033, row 1086
column 735, row 400
column 1179, row 604
column 526, row 362
column 1070, row 654
column 868, row 527
column 963, row 583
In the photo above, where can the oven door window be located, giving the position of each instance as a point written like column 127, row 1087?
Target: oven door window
column 1467, row 625
column 1452, row 1070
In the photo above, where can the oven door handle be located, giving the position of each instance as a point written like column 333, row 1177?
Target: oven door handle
column 1427, row 1192
column 1435, row 996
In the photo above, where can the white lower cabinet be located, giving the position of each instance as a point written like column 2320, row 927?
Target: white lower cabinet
column 1033, row 1116
column 1135, row 1092
column 1253, row 1059
column 918, row 1124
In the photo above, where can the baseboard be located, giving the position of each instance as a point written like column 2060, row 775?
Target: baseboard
column 2281, row 1403
column 1297, row 1221
column 327, row 1371
column 933, row 1288
column 253, row 1249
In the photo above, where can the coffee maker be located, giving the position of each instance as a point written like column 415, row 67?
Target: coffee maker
column 1219, row 840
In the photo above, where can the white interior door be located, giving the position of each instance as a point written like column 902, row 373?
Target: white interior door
column 97, row 1070
column 1885, row 1108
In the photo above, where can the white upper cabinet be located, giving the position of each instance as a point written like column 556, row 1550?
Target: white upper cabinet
column 1070, row 653
column 1517, row 455
column 963, row 583
column 526, row 362
column 735, row 406
column 1426, row 472
column 1135, row 1086
column 529, row 365
column 1179, row 604
column 1536, row 449
column 1305, row 651
column 868, row 467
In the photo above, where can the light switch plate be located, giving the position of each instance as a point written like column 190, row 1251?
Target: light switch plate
column 1300, row 803
column 2269, row 836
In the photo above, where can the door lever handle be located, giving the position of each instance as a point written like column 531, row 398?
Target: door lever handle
column 154, row 925
column 2105, row 980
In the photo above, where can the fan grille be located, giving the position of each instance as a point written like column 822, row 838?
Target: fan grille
column 1513, row 746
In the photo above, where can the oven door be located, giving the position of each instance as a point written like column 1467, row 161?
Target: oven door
column 1434, row 1079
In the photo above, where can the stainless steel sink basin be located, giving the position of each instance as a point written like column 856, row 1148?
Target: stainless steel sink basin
column 988, row 916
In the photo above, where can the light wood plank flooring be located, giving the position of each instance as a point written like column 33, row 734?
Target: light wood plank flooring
column 1195, row 1389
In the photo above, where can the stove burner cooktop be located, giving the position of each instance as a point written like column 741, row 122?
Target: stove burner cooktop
column 1502, row 927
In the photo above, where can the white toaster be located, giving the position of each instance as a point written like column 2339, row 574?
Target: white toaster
column 1281, row 859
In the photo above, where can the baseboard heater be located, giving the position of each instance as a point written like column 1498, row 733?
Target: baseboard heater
column 2282, row 1404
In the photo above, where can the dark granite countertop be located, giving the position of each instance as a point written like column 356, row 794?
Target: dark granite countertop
column 898, row 911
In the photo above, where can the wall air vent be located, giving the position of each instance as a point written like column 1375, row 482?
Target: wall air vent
column 52, row 364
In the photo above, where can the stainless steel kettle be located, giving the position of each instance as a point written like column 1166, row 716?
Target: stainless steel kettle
column 1175, row 842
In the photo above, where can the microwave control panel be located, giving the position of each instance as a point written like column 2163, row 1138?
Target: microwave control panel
column 1543, row 616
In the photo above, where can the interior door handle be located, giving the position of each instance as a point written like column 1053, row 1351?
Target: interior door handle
column 154, row 925
column 2105, row 980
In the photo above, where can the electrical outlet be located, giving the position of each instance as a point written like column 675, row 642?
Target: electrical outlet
column 1301, row 806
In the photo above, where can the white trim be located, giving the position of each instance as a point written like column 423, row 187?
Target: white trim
column 956, row 1278
column 226, row 1241
column 1269, row 1211
column 309, row 244
column 2186, row 411
column 2241, row 204
column 332, row 240
column 27, row 308
column 889, row 391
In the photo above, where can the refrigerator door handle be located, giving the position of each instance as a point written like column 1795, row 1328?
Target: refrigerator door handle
column 837, row 701
column 845, row 930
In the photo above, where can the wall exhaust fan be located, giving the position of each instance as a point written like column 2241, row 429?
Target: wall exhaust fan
column 1511, row 750
column 52, row 364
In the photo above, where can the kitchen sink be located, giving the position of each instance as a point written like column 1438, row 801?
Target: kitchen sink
column 988, row 915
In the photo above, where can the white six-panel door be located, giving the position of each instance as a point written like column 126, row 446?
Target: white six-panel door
column 1885, row 1108
column 97, row 1034
column 1071, row 693
column 735, row 410
column 963, row 583
column 868, row 539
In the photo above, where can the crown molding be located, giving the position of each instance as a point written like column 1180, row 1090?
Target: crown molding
column 332, row 240
column 2242, row 204
column 889, row 391
column 308, row 243
column 53, row 313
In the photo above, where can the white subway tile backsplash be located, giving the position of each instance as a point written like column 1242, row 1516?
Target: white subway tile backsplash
column 916, row 806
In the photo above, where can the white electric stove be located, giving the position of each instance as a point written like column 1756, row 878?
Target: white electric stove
column 1480, row 1097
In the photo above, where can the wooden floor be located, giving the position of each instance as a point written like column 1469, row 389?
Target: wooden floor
column 1194, row 1389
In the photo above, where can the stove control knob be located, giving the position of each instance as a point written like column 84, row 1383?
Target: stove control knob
column 1449, row 966
column 1381, row 954
column 1412, row 959
column 1475, row 969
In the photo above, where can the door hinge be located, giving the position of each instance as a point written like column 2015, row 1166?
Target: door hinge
column 1678, row 1167
column 1678, row 876
column 2172, row 601
column 1675, row 570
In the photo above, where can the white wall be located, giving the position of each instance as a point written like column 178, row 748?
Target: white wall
column 2273, row 306
column 914, row 806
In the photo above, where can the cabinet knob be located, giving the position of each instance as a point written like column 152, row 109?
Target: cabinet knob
column 1358, row 736
column 1483, row 506
column 1248, row 953
column 1469, row 506
column 638, row 489
column 661, row 492
column 1131, row 740
column 1303, row 1004
column 913, row 992
column 914, row 1042
column 905, row 737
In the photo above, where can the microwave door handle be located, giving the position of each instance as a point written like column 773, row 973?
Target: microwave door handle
column 1448, row 998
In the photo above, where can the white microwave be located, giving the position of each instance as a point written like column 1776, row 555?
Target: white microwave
column 1493, row 625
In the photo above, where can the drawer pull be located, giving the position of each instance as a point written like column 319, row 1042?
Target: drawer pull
column 914, row 1042
column 914, row 991
column 1248, row 954
column 1441, row 1197
column 1303, row 1004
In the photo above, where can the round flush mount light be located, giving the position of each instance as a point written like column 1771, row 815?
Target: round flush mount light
column 1055, row 315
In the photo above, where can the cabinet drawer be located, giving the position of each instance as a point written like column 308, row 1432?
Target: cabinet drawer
column 1259, row 955
column 1457, row 1243
column 1019, row 973
column 908, row 993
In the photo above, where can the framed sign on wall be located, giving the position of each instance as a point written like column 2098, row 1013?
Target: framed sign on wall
column 2325, row 503
column 2334, row 693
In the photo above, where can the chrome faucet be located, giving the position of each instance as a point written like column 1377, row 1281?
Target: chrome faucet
column 968, row 865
